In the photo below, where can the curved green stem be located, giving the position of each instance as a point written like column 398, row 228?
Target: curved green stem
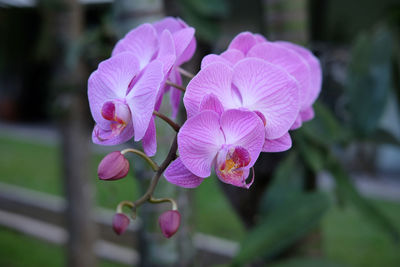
column 170, row 157
column 128, row 204
column 153, row 165
column 175, row 126
column 177, row 86
column 161, row 200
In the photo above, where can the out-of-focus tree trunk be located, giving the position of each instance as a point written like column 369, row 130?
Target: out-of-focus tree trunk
column 63, row 21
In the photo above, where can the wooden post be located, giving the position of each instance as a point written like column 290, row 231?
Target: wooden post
column 64, row 20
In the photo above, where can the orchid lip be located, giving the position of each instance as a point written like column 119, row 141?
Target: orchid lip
column 118, row 114
column 232, row 166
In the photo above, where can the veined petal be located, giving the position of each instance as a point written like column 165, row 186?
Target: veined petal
column 307, row 114
column 182, row 39
column 259, row 38
column 168, row 23
column 179, row 175
column 142, row 97
column 199, row 140
column 287, row 59
column 166, row 53
column 245, row 129
column 106, row 137
column 189, row 51
column 243, row 42
column 269, row 89
column 149, row 141
column 211, row 102
column 141, row 41
column 233, row 55
column 175, row 94
column 280, row 144
column 110, row 82
column 215, row 78
column 315, row 68
column 212, row 58
column 297, row 123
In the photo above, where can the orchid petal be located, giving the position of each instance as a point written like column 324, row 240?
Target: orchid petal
column 149, row 141
column 175, row 94
column 212, row 58
column 297, row 123
column 280, row 144
column 179, row 175
column 243, row 42
column 166, row 53
column 287, row 59
column 110, row 81
column 199, row 140
column 168, row 23
column 245, row 129
column 211, row 102
column 259, row 38
column 189, row 51
column 307, row 114
column 142, row 97
column 269, row 89
column 233, row 56
column 141, row 41
column 104, row 137
column 315, row 68
column 215, row 78
column 182, row 40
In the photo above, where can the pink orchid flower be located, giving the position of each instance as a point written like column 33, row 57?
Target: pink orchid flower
column 228, row 142
column 170, row 41
column 122, row 98
column 251, row 84
column 296, row 60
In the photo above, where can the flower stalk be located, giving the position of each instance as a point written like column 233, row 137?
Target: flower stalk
column 170, row 157
column 151, row 162
column 174, row 126
column 177, row 86
column 161, row 200
column 185, row 73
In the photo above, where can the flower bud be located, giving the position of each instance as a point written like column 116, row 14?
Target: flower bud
column 114, row 166
column 169, row 222
column 120, row 223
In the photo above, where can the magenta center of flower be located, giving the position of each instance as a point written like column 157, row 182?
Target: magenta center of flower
column 118, row 114
column 230, row 168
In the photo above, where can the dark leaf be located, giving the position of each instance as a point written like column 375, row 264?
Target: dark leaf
column 325, row 128
column 282, row 227
column 369, row 79
column 306, row 262
column 347, row 190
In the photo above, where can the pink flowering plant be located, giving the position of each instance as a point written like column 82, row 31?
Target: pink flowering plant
column 241, row 103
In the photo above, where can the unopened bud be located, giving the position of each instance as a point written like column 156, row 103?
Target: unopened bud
column 120, row 223
column 169, row 222
column 114, row 166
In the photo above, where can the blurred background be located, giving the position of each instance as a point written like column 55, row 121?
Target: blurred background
column 332, row 200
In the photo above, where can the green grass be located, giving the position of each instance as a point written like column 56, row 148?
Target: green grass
column 38, row 167
column 348, row 237
column 17, row 250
